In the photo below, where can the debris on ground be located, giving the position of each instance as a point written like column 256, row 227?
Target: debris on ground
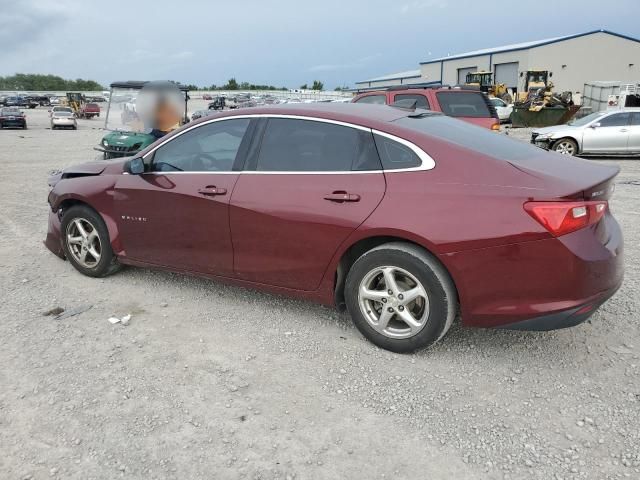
column 54, row 311
column 124, row 320
column 73, row 312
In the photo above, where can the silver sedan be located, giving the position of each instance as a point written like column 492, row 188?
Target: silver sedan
column 615, row 132
column 63, row 120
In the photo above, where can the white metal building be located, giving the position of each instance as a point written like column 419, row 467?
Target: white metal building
column 400, row 78
column 573, row 60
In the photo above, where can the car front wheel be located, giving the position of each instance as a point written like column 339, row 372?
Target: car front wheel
column 566, row 146
column 400, row 297
column 86, row 242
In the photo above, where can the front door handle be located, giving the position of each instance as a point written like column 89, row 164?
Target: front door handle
column 624, row 130
column 342, row 196
column 212, row 190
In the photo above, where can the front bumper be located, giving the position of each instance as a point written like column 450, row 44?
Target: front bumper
column 544, row 143
column 53, row 240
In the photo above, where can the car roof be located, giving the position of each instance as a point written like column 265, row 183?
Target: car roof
column 367, row 115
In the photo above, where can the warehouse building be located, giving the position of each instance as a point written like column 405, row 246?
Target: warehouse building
column 573, row 60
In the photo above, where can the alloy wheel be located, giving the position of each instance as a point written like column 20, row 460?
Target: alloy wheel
column 394, row 302
column 565, row 148
column 84, row 242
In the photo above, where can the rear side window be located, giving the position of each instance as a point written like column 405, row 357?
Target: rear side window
column 395, row 155
column 420, row 100
column 377, row 99
column 635, row 118
column 463, row 104
column 291, row 145
column 615, row 120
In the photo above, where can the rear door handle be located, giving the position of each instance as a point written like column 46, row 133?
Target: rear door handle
column 342, row 196
column 624, row 130
column 212, row 190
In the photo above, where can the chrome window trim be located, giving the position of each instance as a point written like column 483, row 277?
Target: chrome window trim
column 427, row 162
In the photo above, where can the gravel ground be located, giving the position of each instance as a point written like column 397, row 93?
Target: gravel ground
column 211, row 381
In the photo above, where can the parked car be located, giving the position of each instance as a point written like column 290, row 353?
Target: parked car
column 63, row 119
column 614, row 132
column 41, row 100
column 59, row 108
column 207, row 96
column 472, row 106
column 503, row 109
column 12, row 117
column 202, row 113
column 89, row 110
column 54, row 100
column 342, row 204
column 19, row 101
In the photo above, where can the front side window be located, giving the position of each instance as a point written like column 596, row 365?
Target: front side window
column 496, row 102
column 420, row 100
column 376, row 99
column 212, row 147
column 463, row 104
column 291, row 145
column 635, row 119
column 615, row 120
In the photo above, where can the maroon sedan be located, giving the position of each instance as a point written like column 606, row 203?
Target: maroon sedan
column 406, row 219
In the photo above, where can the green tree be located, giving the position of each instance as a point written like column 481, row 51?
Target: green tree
column 317, row 85
column 231, row 85
column 304, row 86
column 39, row 82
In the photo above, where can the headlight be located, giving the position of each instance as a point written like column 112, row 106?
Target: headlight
column 544, row 136
column 105, row 143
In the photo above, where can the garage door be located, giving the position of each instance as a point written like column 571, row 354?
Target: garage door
column 507, row 73
column 462, row 74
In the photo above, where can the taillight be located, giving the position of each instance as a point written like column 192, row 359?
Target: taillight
column 561, row 218
column 495, row 127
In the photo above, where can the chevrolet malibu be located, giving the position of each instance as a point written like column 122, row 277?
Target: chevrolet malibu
column 407, row 219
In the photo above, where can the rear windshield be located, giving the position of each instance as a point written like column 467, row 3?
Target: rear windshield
column 463, row 104
column 471, row 137
column 10, row 111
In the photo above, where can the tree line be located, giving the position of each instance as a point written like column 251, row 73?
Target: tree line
column 39, row 82
column 233, row 84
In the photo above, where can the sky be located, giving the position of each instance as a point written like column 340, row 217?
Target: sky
column 277, row 42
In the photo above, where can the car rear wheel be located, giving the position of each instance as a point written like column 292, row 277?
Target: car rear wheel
column 86, row 242
column 566, row 146
column 400, row 297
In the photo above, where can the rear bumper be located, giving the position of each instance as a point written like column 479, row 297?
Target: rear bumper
column 565, row 319
column 540, row 285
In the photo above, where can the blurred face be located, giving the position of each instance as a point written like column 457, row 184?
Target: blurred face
column 167, row 116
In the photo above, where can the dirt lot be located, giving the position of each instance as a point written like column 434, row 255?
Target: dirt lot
column 211, row 381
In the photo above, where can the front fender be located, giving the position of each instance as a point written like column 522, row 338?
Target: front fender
column 94, row 191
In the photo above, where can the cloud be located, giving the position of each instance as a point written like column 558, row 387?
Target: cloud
column 24, row 23
column 423, row 5
column 333, row 67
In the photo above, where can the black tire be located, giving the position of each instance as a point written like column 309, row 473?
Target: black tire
column 441, row 293
column 108, row 262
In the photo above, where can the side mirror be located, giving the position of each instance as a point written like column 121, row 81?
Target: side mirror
column 136, row 166
column 595, row 125
column 550, row 74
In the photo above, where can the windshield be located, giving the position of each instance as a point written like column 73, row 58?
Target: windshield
column 127, row 106
column 581, row 122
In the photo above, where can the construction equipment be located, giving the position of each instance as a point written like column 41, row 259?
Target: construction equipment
column 75, row 100
column 483, row 80
column 538, row 105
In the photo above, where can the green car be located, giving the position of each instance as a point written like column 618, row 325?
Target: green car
column 127, row 134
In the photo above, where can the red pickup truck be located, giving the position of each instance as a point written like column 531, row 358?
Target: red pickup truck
column 89, row 110
column 472, row 106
